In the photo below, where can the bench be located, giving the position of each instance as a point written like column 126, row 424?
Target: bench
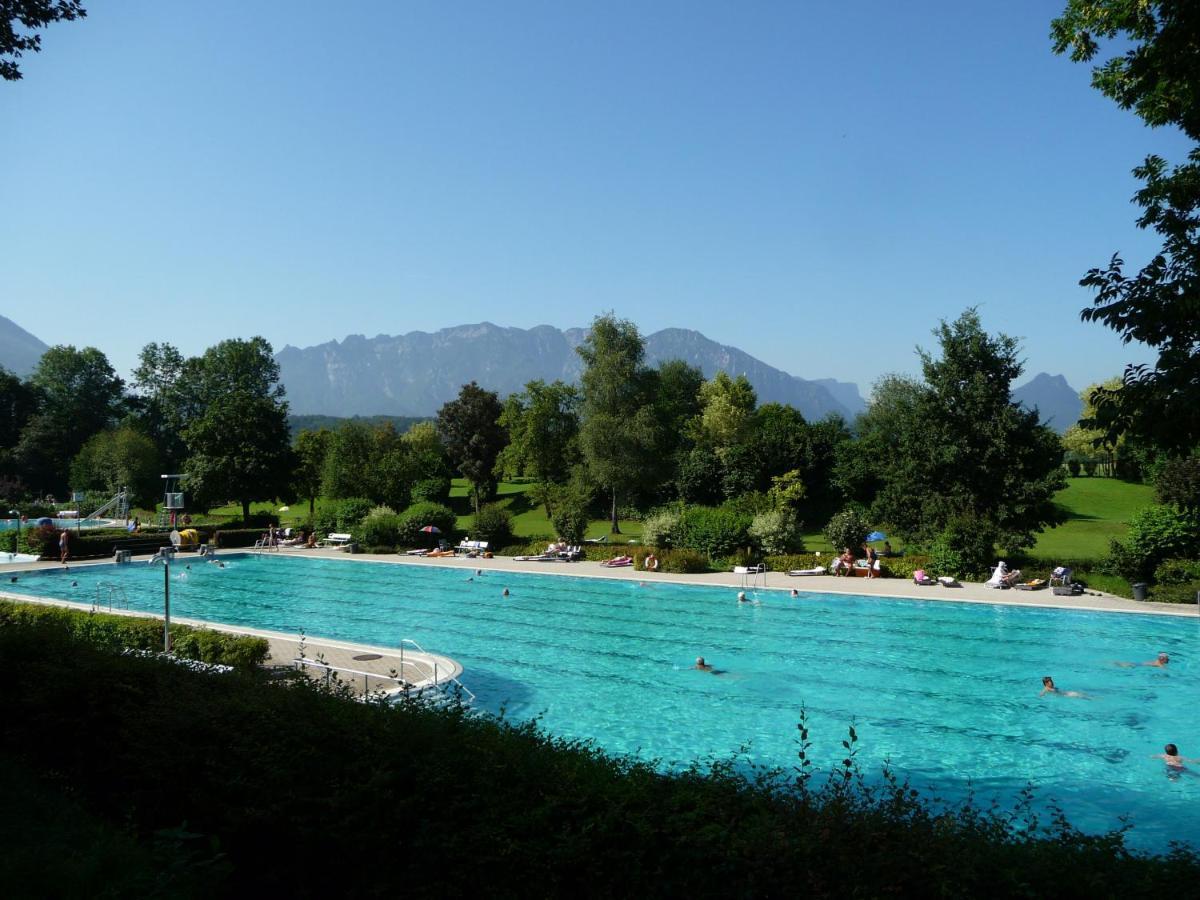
column 472, row 547
column 337, row 539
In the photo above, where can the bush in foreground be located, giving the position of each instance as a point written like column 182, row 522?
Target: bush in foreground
column 263, row 788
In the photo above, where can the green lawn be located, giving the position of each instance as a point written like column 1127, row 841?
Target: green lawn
column 1099, row 510
column 529, row 518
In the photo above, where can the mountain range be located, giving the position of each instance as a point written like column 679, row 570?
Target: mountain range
column 414, row 374
column 19, row 350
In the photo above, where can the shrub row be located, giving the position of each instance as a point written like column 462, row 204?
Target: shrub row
column 112, row 632
column 497, row 803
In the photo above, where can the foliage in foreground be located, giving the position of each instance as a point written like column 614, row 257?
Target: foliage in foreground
column 115, row 632
column 290, row 790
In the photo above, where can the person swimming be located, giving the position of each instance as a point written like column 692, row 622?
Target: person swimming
column 795, row 593
column 1171, row 757
column 1049, row 688
column 1159, row 662
column 741, row 596
column 504, row 593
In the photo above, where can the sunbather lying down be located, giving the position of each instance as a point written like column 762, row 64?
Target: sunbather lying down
column 617, row 562
column 449, row 551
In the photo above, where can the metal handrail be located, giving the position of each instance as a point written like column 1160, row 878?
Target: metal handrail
column 462, row 687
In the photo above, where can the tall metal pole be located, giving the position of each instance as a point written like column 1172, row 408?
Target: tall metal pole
column 166, row 603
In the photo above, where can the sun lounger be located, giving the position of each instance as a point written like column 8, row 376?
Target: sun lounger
column 472, row 548
column 749, row 570
column 337, row 539
column 1035, row 585
column 815, row 570
column 948, row 581
column 541, row 557
column 603, row 539
column 417, row 553
column 571, row 554
column 617, row 562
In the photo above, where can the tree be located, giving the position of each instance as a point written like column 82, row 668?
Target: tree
column 469, row 427
column 119, row 458
column 543, row 433
column 312, row 447
column 958, row 449
column 239, row 447
column 1093, row 444
column 165, row 400
column 78, row 394
column 18, row 403
column 1156, row 74
column 31, row 15
column 728, row 406
column 620, row 431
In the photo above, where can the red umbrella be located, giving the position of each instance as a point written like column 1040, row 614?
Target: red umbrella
column 432, row 529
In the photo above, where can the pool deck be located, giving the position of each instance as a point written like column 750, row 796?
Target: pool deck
column 897, row 588
column 418, row 668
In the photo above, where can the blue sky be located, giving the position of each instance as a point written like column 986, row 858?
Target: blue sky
column 817, row 184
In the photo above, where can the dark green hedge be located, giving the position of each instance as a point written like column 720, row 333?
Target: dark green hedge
column 285, row 791
column 138, row 633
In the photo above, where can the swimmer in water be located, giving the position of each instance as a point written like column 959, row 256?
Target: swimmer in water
column 795, row 593
column 1159, row 662
column 741, row 596
column 1171, row 757
column 479, row 572
column 74, row 584
column 505, row 593
column 701, row 665
column 1049, row 688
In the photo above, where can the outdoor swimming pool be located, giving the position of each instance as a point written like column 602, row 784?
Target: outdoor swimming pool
column 948, row 692
column 11, row 524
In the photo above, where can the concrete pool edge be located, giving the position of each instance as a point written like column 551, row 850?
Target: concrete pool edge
column 447, row 669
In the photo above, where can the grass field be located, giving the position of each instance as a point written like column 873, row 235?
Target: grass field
column 1099, row 510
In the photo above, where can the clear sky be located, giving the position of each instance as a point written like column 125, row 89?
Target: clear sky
column 814, row 183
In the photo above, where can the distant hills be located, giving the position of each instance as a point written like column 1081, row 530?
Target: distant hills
column 19, row 350
column 1057, row 403
column 410, row 376
column 414, row 374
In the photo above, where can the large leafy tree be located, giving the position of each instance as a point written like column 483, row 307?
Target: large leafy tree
column 164, row 401
column 19, row 19
column 18, row 403
column 239, row 445
column 1155, row 71
column 620, row 433
column 955, row 448
column 119, row 458
column 78, row 395
column 543, row 434
column 469, row 427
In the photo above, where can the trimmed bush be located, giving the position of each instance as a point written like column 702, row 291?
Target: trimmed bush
column 494, row 525
column 1177, row 571
column 964, row 549
column 112, row 632
column 379, row 530
column 417, row 516
column 351, row 512
column 661, row 526
column 1073, row 467
column 1175, row 593
column 777, row 531
column 849, row 528
column 1155, row 533
column 712, row 531
column 678, row 562
column 432, row 490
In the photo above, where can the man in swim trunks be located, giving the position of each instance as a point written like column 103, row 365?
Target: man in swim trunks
column 1159, row 662
column 701, row 665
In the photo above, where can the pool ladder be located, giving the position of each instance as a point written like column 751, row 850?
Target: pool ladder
column 437, row 686
column 116, row 598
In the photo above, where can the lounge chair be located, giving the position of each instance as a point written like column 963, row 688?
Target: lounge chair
column 948, row 581
column 920, row 577
column 603, row 539
column 421, row 552
column 1000, row 577
column 815, row 570
column 749, row 570
column 1034, row 585
column 1061, row 576
column 571, row 554
column 617, row 562
column 337, row 539
column 541, row 557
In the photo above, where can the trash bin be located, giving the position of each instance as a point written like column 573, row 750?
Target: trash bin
column 1139, row 590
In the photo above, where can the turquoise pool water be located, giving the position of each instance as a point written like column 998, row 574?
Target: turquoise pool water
column 948, row 692
column 11, row 524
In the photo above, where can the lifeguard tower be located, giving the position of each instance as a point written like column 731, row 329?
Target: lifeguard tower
column 172, row 499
